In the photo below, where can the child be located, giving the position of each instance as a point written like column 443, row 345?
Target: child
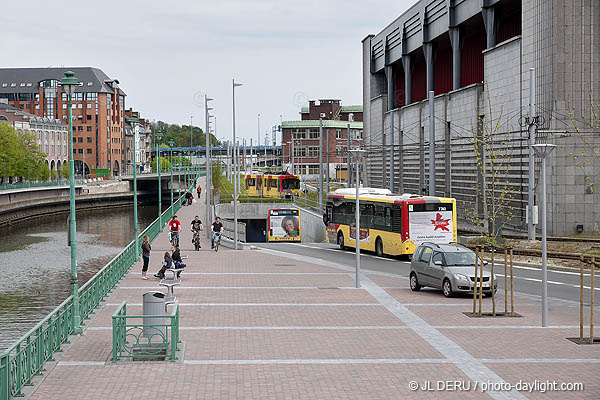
column 167, row 263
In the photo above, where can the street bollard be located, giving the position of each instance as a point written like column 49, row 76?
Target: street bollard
column 505, row 282
column 475, row 283
column 581, row 297
column 481, row 278
column 512, row 288
column 492, row 283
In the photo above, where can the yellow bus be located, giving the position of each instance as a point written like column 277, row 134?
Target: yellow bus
column 276, row 186
column 389, row 223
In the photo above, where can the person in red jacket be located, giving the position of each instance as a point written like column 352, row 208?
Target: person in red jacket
column 175, row 228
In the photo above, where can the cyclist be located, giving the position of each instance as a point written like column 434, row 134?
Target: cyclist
column 175, row 228
column 215, row 228
column 188, row 198
column 195, row 228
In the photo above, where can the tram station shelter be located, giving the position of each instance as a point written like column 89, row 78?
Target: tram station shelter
column 476, row 56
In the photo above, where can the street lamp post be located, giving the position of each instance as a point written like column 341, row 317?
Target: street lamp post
column 543, row 151
column 69, row 83
column 159, row 136
column 207, row 160
column 133, row 120
column 171, row 143
column 358, row 154
column 236, row 184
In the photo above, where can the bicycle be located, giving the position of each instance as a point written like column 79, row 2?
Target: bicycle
column 174, row 238
column 217, row 242
column 196, row 240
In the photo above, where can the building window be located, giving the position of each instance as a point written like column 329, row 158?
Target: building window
column 80, row 151
column 64, row 106
column 80, row 140
column 89, row 106
column 37, row 107
column 89, row 140
column 88, row 128
column 351, row 117
column 338, row 133
column 90, row 83
column 89, row 117
column 80, row 106
column 91, row 96
column 80, row 129
column 5, row 85
column 89, row 151
column 313, row 133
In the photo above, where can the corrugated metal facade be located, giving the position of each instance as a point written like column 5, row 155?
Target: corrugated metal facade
column 442, row 70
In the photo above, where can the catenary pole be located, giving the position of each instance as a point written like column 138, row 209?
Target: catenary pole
column 320, row 162
column 431, row 144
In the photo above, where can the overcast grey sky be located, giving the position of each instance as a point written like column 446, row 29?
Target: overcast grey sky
column 167, row 54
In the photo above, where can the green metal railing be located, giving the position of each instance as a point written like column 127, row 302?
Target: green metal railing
column 23, row 185
column 25, row 358
column 134, row 339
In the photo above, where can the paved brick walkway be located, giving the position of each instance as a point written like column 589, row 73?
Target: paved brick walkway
column 261, row 324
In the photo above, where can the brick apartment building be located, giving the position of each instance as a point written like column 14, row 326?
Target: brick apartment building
column 98, row 108
column 305, row 134
column 52, row 135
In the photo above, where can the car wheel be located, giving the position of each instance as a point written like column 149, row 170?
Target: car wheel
column 447, row 288
column 414, row 283
column 379, row 247
column 340, row 241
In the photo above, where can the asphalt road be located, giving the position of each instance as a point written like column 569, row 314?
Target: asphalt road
column 562, row 284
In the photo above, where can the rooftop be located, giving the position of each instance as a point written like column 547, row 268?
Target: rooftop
column 327, row 123
column 345, row 109
column 27, row 80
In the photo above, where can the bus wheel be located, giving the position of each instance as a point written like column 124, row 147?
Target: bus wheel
column 379, row 247
column 340, row 241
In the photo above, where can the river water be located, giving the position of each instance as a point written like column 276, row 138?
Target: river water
column 36, row 261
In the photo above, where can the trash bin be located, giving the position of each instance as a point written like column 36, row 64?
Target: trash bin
column 154, row 304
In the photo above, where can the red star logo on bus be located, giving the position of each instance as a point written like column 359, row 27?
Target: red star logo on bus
column 440, row 223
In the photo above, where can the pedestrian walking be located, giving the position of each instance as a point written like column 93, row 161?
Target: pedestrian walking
column 145, row 255
column 199, row 190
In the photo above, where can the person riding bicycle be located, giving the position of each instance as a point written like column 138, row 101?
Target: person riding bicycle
column 174, row 229
column 195, row 228
column 188, row 198
column 215, row 228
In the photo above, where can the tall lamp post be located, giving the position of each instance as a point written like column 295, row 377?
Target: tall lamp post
column 358, row 155
column 171, row 143
column 69, row 83
column 543, row 151
column 133, row 121
column 159, row 136
column 207, row 160
column 236, row 178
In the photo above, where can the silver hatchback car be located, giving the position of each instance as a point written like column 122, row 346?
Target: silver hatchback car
column 450, row 267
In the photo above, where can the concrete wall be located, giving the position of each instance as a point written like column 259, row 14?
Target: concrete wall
column 312, row 227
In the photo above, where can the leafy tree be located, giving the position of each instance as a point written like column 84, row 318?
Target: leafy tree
column 180, row 134
column 164, row 164
column 20, row 153
column 64, row 171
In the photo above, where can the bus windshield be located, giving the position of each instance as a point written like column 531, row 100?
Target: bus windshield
column 290, row 184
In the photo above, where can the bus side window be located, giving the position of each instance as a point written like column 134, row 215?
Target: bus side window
column 388, row 217
column 366, row 215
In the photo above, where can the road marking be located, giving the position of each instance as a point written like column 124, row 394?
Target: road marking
column 462, row 359
column 326, row 361
column 266, row 304
column 541, row 360
column 551, row 282
column 238, row 287
column 342, row 251
column 270, row 328
column 258, row 273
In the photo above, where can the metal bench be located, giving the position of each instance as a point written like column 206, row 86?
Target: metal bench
column 169, row 284
column 175, row 271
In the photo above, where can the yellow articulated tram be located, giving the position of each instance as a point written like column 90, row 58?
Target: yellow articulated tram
column 389, row 223
column 276, row 186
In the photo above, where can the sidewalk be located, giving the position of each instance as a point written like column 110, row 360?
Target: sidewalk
column 261, row 324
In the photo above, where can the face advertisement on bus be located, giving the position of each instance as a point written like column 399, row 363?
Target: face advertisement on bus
column 430, row 225
column 284, row 225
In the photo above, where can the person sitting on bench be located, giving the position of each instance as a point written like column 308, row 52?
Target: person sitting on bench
column 177, row 261
column 167, row 263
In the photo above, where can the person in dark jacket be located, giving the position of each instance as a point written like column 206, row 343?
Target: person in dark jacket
column 167, row 263
column 177, row 261
column 145, row 255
